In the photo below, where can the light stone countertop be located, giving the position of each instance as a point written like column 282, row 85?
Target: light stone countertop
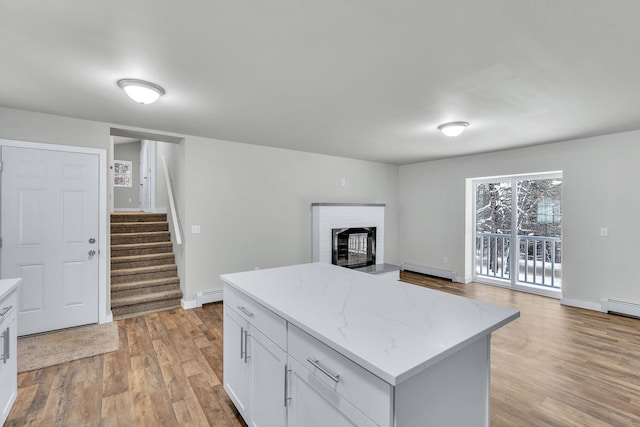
column 391, row 328
column 7, row 285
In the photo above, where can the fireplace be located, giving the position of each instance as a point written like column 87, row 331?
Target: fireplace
column 328, row 217
column 353, row 247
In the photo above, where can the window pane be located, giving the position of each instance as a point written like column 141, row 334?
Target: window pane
column 493, row 229
column 539, row 231
column 493, row 208
column 540, row 207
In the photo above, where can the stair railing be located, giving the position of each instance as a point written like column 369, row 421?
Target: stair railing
column 172, row 203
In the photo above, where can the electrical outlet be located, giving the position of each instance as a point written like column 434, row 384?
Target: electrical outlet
column 604, row 232
column 445, row 260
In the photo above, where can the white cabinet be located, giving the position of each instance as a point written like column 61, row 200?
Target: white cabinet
column 312, row 403
column 345, row 379
column 8, row 351
column 271, row 387
column 268, row 364
column 236, row 368
column 254, row 365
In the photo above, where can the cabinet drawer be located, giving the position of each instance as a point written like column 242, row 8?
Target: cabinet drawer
column 270, row 324
column 8, row 305
column 367, row 392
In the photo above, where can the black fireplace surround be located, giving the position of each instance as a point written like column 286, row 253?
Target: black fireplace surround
column 353, row 247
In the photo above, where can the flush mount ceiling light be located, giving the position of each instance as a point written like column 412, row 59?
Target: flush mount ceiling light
column 453, row 128
column 141, row 91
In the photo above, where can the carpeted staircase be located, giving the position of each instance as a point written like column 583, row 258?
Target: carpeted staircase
column 144, row 276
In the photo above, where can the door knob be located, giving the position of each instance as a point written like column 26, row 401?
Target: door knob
column 92, row 240
column 92, row 252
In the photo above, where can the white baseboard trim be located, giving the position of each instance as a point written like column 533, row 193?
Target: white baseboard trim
column 109, row 317
column 160, row 210
column 464, row 280
column 588, row 305
column 431, row 271
column 205, row 297
column 188, row 304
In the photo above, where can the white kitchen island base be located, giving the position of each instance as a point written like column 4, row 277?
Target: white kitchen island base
column 453, row 392
column 320, row 345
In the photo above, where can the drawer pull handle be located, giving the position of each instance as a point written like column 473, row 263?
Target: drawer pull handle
column 7, row 351
column 246, row 345
column 316, row 363
column 245, row 311
column 241, row 343
column 6, row 342
column 286, row 386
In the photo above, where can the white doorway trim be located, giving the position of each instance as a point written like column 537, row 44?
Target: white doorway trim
column 104, row 313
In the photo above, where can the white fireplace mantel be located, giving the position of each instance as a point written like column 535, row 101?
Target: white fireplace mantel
column 327, row 216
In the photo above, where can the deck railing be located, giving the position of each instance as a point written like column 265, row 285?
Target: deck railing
column 539, row 258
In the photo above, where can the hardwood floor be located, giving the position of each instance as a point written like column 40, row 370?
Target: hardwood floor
column 167, row 372
column 554, row 366
column 557, row 365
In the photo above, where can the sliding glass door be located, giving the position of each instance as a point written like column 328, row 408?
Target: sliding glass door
column 518, row 231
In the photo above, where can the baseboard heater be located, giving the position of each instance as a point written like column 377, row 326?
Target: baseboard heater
column 207, row 297
column 431, row 271
column 623, row 308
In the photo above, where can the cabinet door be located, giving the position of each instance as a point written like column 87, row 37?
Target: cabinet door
column 268, row 364
column 8, row 369
column 236, row 366
column 314, row 404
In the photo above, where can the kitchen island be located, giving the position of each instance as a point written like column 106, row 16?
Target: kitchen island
column 317, row 345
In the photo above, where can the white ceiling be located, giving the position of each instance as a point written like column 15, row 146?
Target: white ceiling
column 367, row 79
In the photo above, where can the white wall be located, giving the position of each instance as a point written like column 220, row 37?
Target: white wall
column 600, row 189
column 128, row 197
column 253, row 205
column 174, row 157
column 46, row 128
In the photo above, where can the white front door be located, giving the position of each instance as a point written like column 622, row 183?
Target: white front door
column 49, row 227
